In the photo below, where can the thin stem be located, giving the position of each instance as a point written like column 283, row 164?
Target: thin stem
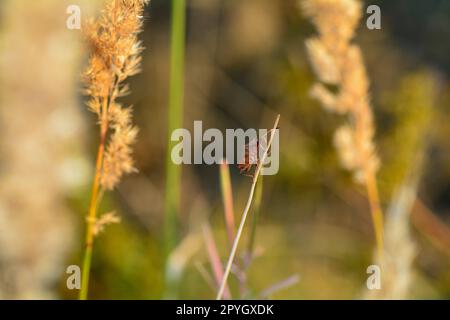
column 93, row 206
column 377, row 214
column 91, row 223
column 175, row 121
column 245, row 214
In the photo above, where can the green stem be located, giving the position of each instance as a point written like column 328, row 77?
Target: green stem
column 175, row 121
column 93, row 206
column 86, row 271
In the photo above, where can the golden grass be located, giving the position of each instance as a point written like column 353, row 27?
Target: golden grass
column 115, row 56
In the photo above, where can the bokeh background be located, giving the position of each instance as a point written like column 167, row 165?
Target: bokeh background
column 245, row 63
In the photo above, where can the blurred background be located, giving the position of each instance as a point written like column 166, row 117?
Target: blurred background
column 245, row 63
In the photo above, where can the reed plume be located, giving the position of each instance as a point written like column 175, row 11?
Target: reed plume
column 338, row 62
column 115, row 56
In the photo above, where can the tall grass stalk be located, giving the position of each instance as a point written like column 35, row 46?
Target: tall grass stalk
column 115, row 56
column 92, row 216
column 245, row 213
column 175, row 121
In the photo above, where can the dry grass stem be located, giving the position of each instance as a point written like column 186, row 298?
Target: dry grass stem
column 246, row 211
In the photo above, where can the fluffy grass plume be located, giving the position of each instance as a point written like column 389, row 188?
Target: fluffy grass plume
column 115, row 56
column 338, row 62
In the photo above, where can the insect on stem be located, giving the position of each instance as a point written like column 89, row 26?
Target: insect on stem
column 245, row 214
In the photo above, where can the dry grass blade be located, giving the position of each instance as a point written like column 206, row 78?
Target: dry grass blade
column 246, row 211
column 289, row 282
column 214, row 258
